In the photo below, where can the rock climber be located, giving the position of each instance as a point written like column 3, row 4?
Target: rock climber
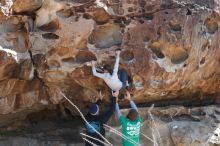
column 111, row 76
column 130, row 124
column 96, row 120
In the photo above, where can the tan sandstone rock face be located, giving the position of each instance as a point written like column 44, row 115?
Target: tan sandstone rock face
column 171, row 52
column 100, row 16
column 21, row 6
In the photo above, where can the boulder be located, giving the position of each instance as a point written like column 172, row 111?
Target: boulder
column 26, row 6
column 171, row 57
column 100, row 16
column 106, row 36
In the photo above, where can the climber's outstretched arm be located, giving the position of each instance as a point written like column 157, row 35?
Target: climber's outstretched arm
column 116, row 66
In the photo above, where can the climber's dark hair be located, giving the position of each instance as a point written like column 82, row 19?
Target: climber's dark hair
column 132, row 115
column 118, row 49
column 108, row 68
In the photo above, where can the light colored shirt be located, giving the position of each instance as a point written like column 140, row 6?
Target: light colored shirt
column 111, row 80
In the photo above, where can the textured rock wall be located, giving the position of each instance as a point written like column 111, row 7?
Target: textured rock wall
column 170, row 49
